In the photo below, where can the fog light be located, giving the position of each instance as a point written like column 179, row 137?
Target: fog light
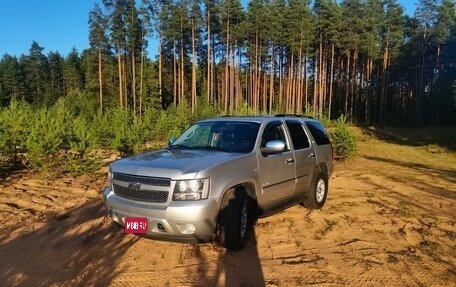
column 186, row 228
column 160, row 227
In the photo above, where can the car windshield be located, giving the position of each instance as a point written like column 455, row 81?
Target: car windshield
column 228, row 136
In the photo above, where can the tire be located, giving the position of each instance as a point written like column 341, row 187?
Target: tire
column 316, row 196
column 234, row 224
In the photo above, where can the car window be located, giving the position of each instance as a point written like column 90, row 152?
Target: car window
column 273, row 131
column 229, row 136
column 298, row 135
column 318, row 132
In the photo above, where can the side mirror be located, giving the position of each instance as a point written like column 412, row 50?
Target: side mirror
column 275, row 146
column 171, row 141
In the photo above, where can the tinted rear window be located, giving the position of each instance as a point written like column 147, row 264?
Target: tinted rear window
column 298, row 136
column 318, row 132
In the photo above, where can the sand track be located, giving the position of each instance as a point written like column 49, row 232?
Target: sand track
column 386, row 223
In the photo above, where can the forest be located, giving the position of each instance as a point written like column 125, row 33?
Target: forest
column 364, row 59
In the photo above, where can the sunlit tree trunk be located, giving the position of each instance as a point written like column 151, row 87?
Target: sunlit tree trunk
column 331, row 80
column 193, row 68
column 119, row 64
column 100, row 79
column 271, row 80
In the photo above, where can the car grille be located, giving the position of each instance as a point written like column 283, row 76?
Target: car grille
column 146, row 195
column 157, row 181
column 141, row 188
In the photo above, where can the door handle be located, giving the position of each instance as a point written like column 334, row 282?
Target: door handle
column 290, row 160
column 311, row 155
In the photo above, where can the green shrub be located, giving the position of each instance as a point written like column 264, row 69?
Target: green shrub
column 63, row 120
column 82, row 139
column 173, row 122
column 77, row 163
column 80, row 159
column 246, row 110
column 81, row 103
column 44, row 141
column 100, row 129
column 205, row 110
column 343, row 140
column 15, row 123
column 128, row 132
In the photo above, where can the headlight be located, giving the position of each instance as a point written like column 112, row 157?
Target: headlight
column 110, row 178
column 194, row 189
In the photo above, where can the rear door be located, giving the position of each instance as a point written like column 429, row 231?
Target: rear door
column 276, row 171
column 324, row 152
column 305, row 160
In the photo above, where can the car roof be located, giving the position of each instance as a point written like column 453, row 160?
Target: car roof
column 257, row 119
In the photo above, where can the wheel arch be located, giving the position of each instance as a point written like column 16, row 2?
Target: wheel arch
column 249, row 189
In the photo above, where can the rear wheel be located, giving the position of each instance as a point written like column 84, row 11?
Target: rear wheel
column 316, row 196
column 234, row 223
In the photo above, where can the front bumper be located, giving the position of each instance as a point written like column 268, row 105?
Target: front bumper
column 181, row 221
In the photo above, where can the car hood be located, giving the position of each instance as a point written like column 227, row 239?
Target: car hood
column 171, row 163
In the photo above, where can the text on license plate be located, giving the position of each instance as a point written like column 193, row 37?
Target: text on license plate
column 135, row 225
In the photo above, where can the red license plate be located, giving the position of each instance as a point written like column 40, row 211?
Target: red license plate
column 135, row 225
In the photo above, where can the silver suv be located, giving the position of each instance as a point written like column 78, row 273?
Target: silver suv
column 220, row 175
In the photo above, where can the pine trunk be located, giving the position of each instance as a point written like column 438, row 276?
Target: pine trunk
column 133, row 78
column 100, row 80
column 193, row 69
column 271, row 81
column 119, row 64
column 209, row 58
column 331, row 80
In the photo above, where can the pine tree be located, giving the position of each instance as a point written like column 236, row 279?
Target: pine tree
column 98, row 41
column 56, row 78
column 12, row 80
column 36, row 67
column 72, row 72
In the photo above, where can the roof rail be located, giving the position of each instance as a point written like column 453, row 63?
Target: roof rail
column 292, row 115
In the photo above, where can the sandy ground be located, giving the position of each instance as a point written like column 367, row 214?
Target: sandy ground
column 387, row 222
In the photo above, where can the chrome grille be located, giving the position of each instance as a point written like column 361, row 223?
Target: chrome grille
column 146, row 195
column 157, row 181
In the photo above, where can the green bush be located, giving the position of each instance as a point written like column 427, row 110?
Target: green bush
column 80, row 159
column 100, row 129
column 343, row 140
column 82, row 139
column 173, row 122
column 45, row 140
column 128, row 132
column 205, row 110
column 62, row 121
column 15, row 123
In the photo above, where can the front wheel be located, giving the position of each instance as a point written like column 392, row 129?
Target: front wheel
column 234, row 224
column 316, row 196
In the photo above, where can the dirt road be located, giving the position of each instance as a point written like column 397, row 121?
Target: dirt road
column 390, row 220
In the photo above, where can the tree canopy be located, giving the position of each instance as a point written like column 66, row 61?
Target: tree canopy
column 366, row 60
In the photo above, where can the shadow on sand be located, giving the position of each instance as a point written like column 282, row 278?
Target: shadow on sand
column 416, row 136
column 78, row 248
column 226, row 268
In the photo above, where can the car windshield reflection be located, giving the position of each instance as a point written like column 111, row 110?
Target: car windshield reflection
column 225, row 136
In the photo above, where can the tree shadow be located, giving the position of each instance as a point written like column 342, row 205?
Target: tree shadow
column 78, row 248
column 442, row 136
column 446, row 174
column 8, row 170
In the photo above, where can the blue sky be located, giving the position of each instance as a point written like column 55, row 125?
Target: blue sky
column 57, row 25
